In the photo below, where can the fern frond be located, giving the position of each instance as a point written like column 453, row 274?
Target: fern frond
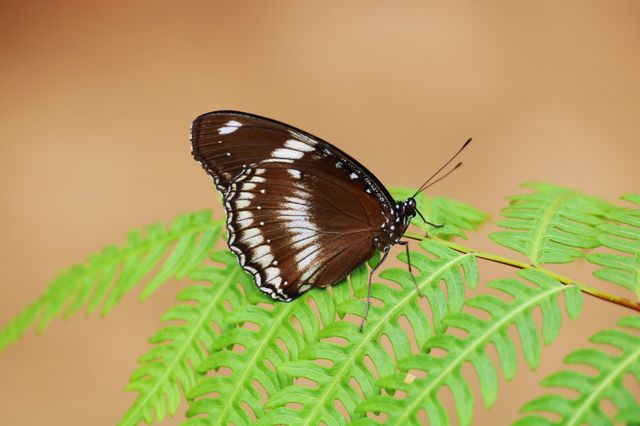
column 456, row 216
column 106, row 277
column 337, row 363
column 621, row 234
column 167, row 371
column 591, row 389
column 262, row 335
column 552, row 224
column 422, row 394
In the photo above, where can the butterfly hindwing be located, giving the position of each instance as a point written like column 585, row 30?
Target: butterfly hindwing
column 300, row 212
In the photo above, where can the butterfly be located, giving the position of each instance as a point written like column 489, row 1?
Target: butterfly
column 301, row 213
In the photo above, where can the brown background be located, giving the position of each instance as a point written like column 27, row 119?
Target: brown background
column 97, row 100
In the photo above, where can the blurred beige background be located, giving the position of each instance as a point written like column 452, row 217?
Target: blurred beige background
column 97, row 100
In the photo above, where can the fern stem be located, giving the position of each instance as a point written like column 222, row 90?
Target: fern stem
column 611, row 298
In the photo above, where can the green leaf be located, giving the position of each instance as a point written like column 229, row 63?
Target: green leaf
column 339, row 359
column 552, row 224
column 106, row 277
column 592, row 389
column 446, row 370
column 260, row 337
column 456, row 216
column 165, row 373
column 620, row 234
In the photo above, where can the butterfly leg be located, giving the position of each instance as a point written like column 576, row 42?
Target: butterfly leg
column 428, row 223
column 435, row 225
column 385, row 252
column 406, row 248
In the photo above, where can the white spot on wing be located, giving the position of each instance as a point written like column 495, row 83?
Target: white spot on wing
column 230, row 127
column 244, row 215
column 304, row 231
column 277, row 160
column 300, row 146
column 276, row 283
column 294, row 173
column 353, row 176
column 285, row 153
column 307, row 256
column 263, row 260
column 271, row 273
column 304, row 288
column 252, row 240
column 308, row 273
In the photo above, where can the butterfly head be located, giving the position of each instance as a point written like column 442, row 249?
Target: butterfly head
column 410, row 209
column 405, row 212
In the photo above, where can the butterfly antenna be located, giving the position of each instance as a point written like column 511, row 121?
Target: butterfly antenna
column 456, row 167
column 426, row 184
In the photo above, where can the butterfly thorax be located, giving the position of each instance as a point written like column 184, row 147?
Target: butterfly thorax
column 394, row 228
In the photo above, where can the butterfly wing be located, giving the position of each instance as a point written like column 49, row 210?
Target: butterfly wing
column 300, row 212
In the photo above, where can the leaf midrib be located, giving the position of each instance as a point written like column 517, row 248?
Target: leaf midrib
column 350, row 360
column 575, row 419
column 545, row 223
column 197, row 328
column 472, row 347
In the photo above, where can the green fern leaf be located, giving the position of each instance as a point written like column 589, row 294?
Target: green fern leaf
column 165, row 372
column 621, row 234
column 593, row 389
column 456, row 216
column 347, row 349
column 552, row 224
column 422, row 394
column 268, row 334
column 106, row 277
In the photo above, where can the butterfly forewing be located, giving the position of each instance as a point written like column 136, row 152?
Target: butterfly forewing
column 300, row 212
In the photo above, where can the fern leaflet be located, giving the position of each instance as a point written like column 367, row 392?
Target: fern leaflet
column 551, row 225
column 106, row 277
column 422, row 393
column 621, row 234
column 593, row 389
